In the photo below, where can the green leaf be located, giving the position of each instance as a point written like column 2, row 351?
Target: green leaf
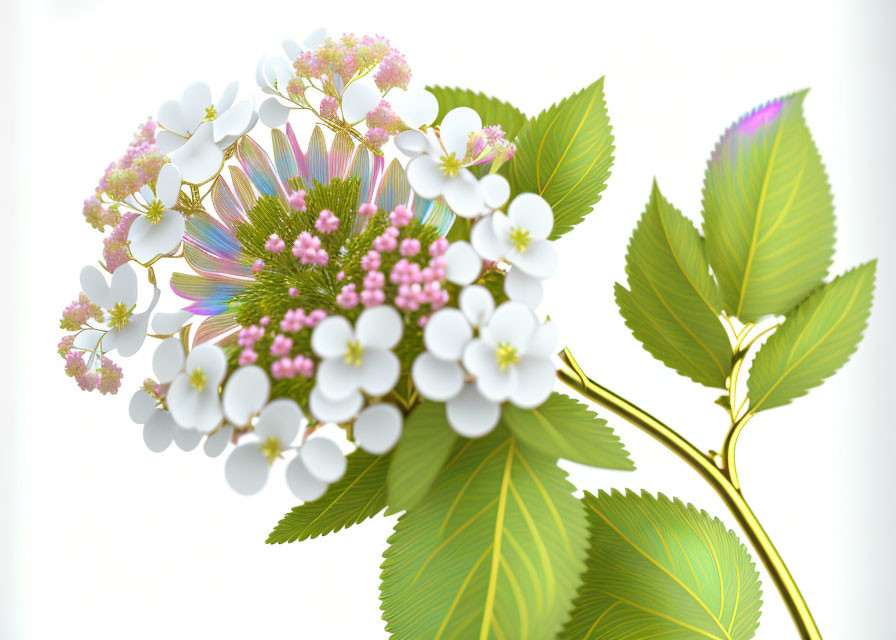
column 768, row 211
column 425, row 444
column 673, row 304
column 360, row 494
column 564, row 155
column 660, row 569
column 816, row 339
column 495, row 550
column 491, row 110
column 564, row 428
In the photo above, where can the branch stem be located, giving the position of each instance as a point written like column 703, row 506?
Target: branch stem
column 718, row 478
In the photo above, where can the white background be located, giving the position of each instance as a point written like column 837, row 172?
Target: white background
column 102, row 539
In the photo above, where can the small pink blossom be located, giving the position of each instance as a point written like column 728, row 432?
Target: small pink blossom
column 410, row 247
column 258, row 266
column 438, row 247
column 293, row 320
column 274, row 244
column 374, row 280
column 281, row 345
column 329, row 108
column 297, row 200
column 348, row 297
column 401, row 216
column 377, row 137
column 247, row 356
column 368, row 209
column 372, row 297
column 371, row 261
column 326, row 222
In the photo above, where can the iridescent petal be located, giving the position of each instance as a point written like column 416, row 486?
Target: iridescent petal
column 206, row 263
column 209, row 234
column 361, row 170
column 214, row 326
column 301, row 160
column 284, row 158
column 243, row 188
column 340, row 155
column 211, row 293
column 257, row 165
column 226, row 205
column 317, row 157
column 394, row 189
column 435, row 213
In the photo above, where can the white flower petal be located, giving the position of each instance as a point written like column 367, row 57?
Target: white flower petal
column 217, row 442
column 141, row 407
column 168, row 185
column 477, row 304
column 280, row 419
column 129, row 338
column 359, row 98
column 273, row 113
column 323, row 459
column 199, row 159
column 227, row 97
column 378, row 428
column 233, row 122
column 303, row 485
column 149, row 240
column 123, row 286
column 291, row 48
column 246, row 469
column 470, row 414
column 379, row 371
column 147, row 194
column 512, row 323
column 186, row 439
column 208, row 410
column 531, row 212
column 534, row 382
column 462, row 263
column 331, row 337
column 158, row 432
column 245, row 393
column 337, row 411
column 337, row 379
column 425, row 177
column 211, row 359
column 168, row 322
column 168, row 359
column 415, row 107
column 495, row 190
column 411, row 142
column 379, row 327
column 447, row 333
column 315, row 38
column 456, row 127
column 436, row 379
column 523, row 288
column 193, row 104
column 88, row 339
column 168, row 141
column 94, row 286
column 463, row 196
column 544, row 340
column 171, row 117
column 539, row 259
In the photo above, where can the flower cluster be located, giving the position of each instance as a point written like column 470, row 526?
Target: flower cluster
column 320, row 286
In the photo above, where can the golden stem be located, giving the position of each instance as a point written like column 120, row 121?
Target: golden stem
column 573, row 376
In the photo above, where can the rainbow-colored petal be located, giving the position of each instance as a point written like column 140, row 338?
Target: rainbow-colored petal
column 226, row 205
column 207, row 233
column 317, row 157
column 206, row 263
column 257, row 165
column 394, row 189
column 284, row 158
column 215, row 326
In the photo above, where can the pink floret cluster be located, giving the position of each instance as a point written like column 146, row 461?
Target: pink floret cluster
column 308, row 250
column 345, row 57
column 139, row 165
column 106, row 378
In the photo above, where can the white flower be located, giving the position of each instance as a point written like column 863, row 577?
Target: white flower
column 354, row 360
column 159, row 228
column 159, row 428
column 437, row 372
column 170, row 322
column 274, row 73
column 123, row 329
column 520, row 238
column 193, row 396
column 378, row 428
column 196, row 131
column 511, row 357
column 462, row 264
column 440, row 169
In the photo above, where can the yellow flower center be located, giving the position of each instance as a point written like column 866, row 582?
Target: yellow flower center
column 119, row 316
column 506, row 355
column 353, row 353
column 450, row 166
column 520, row 239
column 210, row 114
column 155, row 211
column 198, row 379
column 271, row 448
